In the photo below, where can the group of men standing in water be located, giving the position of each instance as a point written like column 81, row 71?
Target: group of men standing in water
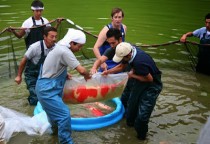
column 114, row 55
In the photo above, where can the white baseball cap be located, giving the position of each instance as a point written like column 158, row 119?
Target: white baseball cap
column 122, row 49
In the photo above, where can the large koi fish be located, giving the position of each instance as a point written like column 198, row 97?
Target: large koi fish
column 99, row 88
column 95, row 109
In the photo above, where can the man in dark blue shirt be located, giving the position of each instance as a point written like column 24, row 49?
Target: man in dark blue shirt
column 114, row 37
column 146, row 88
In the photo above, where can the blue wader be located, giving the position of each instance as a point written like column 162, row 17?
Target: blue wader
column 203, row 65
column 141, row 104
column 105, row 46
column 31, row 76
column 50, row 92
column 35, row 34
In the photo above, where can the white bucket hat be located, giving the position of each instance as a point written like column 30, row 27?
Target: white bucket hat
column 73, row 35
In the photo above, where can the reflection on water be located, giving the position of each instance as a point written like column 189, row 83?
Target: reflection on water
column 180, row 110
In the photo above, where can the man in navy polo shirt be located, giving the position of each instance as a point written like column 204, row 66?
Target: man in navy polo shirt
column 146, row 88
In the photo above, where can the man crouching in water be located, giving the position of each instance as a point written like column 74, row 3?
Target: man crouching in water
column 146, row 88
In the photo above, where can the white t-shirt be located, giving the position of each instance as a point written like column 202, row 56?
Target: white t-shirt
column 34, row 52
column 58, row 60
column 29, row 23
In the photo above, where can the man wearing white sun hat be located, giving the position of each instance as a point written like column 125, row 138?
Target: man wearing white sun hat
column 146, row 88
column 49, row 87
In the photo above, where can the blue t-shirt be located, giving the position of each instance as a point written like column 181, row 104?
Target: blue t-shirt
column 199, row 33
column 106, row 45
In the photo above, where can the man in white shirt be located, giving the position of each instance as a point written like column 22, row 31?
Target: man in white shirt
column 49, row 86
column 33, row 59
column 33, row 27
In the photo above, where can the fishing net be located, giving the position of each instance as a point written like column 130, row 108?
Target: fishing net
column 12, row 49
column 8, row 56
column 174, row 55
column 86, row 52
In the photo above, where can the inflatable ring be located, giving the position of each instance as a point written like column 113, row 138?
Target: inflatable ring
column 84, row 124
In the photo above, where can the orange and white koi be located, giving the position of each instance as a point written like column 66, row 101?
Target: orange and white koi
column 103, row 106
column 84, row 94
column 96, row 112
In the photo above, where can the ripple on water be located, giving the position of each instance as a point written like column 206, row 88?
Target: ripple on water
column 3, row 14
column 4, row 6
column 178, row 111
